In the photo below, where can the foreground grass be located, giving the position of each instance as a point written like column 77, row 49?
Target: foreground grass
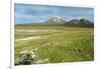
column 69, row 44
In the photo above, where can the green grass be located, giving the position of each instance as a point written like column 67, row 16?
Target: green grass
column 70, row 44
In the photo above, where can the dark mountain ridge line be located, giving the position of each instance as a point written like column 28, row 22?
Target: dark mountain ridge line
column 57, row 21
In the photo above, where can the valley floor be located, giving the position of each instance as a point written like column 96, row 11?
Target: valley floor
column 53, row 44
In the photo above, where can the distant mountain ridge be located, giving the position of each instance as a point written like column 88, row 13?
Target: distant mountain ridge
column 79, row 23
column 74, row 22
column 56, row 20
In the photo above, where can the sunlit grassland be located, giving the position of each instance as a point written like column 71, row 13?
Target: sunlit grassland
column 67, row 44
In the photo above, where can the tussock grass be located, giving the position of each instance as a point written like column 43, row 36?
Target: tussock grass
column 71, row 44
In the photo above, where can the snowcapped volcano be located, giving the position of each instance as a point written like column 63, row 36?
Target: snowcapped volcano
column 55, row 20
column 57, row 17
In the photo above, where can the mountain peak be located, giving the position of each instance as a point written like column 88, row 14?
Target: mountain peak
column 55, row 20
column 58, row 17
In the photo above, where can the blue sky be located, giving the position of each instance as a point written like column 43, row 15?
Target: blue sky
column 28, row 13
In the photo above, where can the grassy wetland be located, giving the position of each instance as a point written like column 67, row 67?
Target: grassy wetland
column 53, row 44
